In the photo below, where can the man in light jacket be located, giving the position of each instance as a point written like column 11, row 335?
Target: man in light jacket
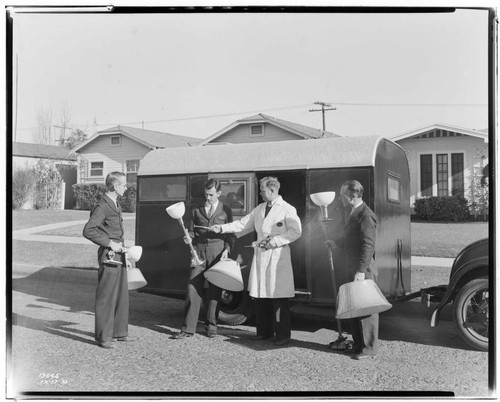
column 271, row 277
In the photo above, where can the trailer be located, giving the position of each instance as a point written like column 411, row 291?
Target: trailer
column 303, row 167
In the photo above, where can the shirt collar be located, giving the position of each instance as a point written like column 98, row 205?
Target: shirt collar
column 271, row 203
column 356, row 207
column 207, row 205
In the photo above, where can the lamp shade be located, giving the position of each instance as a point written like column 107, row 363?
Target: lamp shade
column 177, row 210
column 323, row 199
column 360, row 298
column 226, row 274
column 134, row 253
column 135, row 279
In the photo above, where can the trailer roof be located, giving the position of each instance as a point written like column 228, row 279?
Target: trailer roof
column 262, row 156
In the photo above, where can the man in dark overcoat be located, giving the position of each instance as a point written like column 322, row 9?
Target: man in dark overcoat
column 358, row 243
column 211, row 247
column 105, row 228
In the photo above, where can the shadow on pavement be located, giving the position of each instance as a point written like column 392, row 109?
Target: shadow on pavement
column 57, row 327
column 74, row 289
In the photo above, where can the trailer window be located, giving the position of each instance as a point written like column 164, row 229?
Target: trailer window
column 163, row 188
column 234, row 195
column 393, row 188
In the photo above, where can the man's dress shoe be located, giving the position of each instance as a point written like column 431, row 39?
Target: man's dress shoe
column 106, row 345
column 363, row 356
column 282, row 342
column 182, row 335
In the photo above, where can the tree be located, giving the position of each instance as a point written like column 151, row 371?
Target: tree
column 43, row 133
column 76, row 137
column 48, row 185
column 64, row 123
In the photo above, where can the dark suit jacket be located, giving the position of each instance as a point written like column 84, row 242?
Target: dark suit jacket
column 359, row 238
column 221, row 215
column 105, row 223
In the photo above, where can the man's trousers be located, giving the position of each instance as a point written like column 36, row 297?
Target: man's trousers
column 211, row 254
column 272, row 316
column 111, row 303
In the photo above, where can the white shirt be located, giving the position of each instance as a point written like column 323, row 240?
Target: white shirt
column 208, row 206
column 356, row 206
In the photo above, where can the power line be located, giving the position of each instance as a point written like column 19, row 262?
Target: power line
column 413, row 104
column 194, row 117
column 283, row 108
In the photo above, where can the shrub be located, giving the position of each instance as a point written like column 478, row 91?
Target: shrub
column 447, row 209
column 23, row 183
column 48, row 185
column 88, row 195
column 127, row 202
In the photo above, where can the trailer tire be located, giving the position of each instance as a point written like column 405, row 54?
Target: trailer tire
column 235, row 308
column 471, row 313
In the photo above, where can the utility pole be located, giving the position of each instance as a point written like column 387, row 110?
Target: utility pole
column 62, row 138
column 324, row 107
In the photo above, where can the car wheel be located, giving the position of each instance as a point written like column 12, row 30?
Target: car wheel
column 471, row 313
column 235, row 308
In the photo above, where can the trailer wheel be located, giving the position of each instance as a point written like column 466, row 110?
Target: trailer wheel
column 235, row 307
column 471, row 313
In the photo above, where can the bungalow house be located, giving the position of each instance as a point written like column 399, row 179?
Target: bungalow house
column 446, row 160
column 26, row 155
column 121, row 148
column 263, row 128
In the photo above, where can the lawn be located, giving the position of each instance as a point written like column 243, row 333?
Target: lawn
column 22, row 219
column 428, row 239
column 445, row 239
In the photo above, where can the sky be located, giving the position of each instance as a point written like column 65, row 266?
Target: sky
column 194, row 74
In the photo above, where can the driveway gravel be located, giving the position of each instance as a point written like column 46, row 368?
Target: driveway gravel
column 53, row 350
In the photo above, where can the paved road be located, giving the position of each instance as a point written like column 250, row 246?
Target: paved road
column 52, row 336
column 30, row 234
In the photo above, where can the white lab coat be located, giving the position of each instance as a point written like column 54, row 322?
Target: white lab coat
column 271, row 275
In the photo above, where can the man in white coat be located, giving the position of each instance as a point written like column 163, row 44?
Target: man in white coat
column 271, row 277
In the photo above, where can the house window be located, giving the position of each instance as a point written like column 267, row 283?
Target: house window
column 442, row 174
column 426, row 175
column 116, row 140
column 449, row 177
column 96, row 169
column 132, row 168
column 457, row 174
column 256, row 130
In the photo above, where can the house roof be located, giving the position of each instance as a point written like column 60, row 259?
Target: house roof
column 149, row 138
column 27, row 150
column 465, row 131
column 263, row 156
column 298, row 129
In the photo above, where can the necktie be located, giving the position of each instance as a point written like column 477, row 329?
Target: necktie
column 268, row 208
column 211, row 212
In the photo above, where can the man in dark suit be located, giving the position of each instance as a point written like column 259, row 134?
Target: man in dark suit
column 358, row 242
column 105, row 229
column 211, row 247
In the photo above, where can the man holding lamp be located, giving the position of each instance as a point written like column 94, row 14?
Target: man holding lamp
column 358, row 242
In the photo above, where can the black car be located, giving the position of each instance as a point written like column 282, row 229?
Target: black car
column 469, row 291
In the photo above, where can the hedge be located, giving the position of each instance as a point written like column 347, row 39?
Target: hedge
column 445, row 209
column 23, row 186
column 88, row 195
